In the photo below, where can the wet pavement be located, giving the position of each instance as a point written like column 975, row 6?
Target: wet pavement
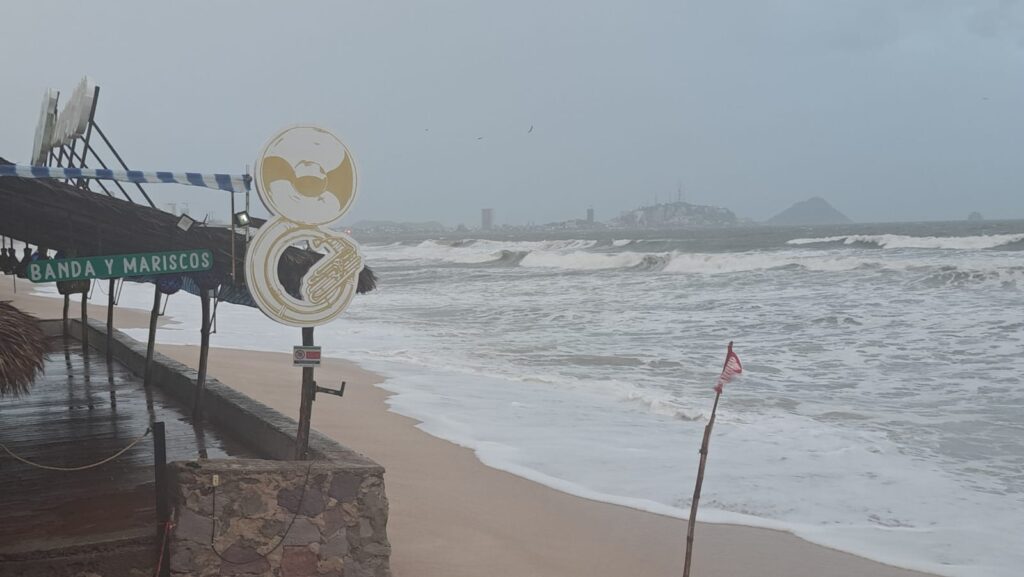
column 78, row 412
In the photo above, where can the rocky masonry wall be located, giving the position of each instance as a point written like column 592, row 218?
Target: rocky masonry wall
column 287, row 519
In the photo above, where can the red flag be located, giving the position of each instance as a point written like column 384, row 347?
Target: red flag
column 731, row 368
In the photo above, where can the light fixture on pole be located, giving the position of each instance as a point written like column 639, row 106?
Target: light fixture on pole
column 185, row 222
column 241, row 218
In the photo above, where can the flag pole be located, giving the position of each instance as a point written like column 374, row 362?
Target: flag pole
column 700, row 473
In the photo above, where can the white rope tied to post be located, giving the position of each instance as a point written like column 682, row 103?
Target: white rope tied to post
column 83, row 467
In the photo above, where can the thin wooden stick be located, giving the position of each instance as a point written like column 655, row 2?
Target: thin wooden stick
column 692, row 524
column 696, row 490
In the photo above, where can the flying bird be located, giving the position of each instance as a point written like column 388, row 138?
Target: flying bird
column 530, row 130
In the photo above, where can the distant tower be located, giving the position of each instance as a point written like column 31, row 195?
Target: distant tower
column 590, row 216
column 486, row 218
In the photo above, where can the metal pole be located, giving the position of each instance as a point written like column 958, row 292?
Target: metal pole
column 696, row 491
column 60, row 157
column 247, row 212
column 83, row 183
column 204, row 353
column 232, row 195
column 71, row 159
column 110, row 319
column 121, row 160
column 85, row 323
column 162, row 505
column 152, row 335
column 81, row 159
column 104, row 165
column 306, row 405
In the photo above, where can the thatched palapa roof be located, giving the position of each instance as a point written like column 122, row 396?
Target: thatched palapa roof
column 50, row 213
column 22, row 349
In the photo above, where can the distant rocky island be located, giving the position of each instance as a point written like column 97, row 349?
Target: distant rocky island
column 810, row 212
column 676, row 214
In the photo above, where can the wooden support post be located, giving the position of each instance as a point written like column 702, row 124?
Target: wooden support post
column 85, row 323
column 110, row 319
column 306, row 405
column 152, row 335
column 204, row 353
column 163, row 510
column 67, row 307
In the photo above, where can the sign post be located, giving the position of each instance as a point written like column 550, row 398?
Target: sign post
column 307, row 180
column 306, row 402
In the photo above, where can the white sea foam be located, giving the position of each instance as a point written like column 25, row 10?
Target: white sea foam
column 572, row 255
column 468, row 251
column 695, row 263
column 931, row 242
column 581, row 260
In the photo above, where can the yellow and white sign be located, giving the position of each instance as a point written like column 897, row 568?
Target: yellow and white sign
column 307, row 180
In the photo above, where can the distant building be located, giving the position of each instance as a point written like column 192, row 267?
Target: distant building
column 487, row 218
column 590, row 216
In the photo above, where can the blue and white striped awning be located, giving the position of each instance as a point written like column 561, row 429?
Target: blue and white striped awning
column 228, row 182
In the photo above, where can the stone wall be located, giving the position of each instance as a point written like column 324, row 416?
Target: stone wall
column 287, row 519
column 271, row 519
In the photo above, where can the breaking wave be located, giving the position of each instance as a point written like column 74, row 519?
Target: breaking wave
column 581, row 260
column 470, row 251
column 572, row 255
column 592, row 256
column 952, row 276
column 900, row 241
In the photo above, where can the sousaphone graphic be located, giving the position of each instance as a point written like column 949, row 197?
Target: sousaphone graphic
column 306, row 178
column 306, row 174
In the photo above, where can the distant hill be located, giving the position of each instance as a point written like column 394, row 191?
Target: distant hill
column 676, row 214
column 809, row 212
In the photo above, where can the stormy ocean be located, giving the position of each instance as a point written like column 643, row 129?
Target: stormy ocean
column 881, row 410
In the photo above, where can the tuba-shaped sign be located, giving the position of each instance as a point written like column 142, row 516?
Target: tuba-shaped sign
column 307, row 180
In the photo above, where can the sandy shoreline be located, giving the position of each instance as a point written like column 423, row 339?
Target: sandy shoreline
column 452, row 516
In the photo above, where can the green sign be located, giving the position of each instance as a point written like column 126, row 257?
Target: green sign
column 120, row 265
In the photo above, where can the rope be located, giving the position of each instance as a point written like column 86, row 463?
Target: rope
column 83, row 467
column 298, row 507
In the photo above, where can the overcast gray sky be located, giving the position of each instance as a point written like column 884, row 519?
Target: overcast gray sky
column 889, row 109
